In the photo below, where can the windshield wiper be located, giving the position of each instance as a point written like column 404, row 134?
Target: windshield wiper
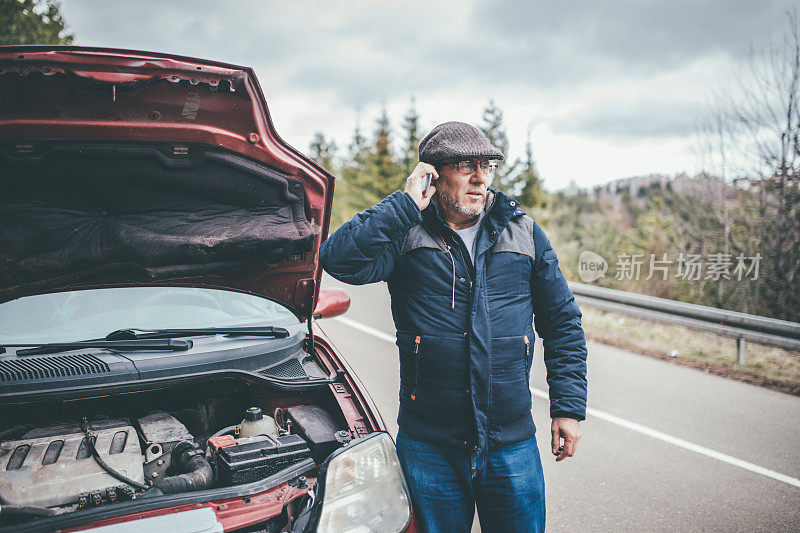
column 132, row 344
column 156, row 339
column 247, row 331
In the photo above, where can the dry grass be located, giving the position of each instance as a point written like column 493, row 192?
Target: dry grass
column 767, row 366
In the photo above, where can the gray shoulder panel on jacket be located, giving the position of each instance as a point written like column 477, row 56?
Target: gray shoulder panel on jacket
column 517, row 237
column 418, row 237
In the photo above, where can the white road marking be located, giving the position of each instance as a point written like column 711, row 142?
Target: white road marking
column 633, row 426
column 366, row 329
column 692, row 447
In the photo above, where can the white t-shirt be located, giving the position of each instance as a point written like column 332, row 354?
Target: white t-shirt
column 468, row 236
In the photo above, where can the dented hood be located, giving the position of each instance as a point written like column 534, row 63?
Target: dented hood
column 127, row 168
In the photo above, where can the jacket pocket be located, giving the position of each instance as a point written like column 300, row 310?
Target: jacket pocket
column 510, row 392
column 434, row 375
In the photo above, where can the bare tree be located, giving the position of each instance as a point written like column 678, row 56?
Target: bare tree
column 754, row 132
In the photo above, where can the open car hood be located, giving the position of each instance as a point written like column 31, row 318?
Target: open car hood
column 133, row 168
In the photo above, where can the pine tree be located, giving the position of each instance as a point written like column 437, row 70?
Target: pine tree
column 373, row 172
column 531, row 194
column 358, row 147
column 344, row 204
column 353, row 196
column 323, row 151
column 32, row 22
column 411, row 140
column 387, row 173
column 493, row 127
column 506, row 176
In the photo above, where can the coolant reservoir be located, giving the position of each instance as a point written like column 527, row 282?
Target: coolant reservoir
column 255, row 423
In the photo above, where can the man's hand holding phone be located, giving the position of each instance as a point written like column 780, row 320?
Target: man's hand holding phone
column 416, row 181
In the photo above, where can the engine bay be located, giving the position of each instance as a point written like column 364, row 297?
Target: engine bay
column 70, row 455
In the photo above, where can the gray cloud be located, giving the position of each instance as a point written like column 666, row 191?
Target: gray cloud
column 623, row 119
column 541, row 45
column 640, row 35
column 380, row 51
column 242, row 33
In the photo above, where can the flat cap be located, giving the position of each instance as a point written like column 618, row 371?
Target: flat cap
column 456, row 140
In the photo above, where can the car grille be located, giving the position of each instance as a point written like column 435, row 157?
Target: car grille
column 289, row 369
column 51, row 367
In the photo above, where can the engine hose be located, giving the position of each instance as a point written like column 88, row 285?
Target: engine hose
column 26, row 510
column 198, row 474
column 90, row 443
column 223, row 431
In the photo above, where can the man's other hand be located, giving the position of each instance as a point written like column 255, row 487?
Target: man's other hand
column 414, row 184
column 565, row 433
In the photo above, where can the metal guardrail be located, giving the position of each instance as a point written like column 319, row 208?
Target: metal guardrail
column 741, row 326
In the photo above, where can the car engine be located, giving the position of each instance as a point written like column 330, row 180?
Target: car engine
column 98, row 459
column 53, row 466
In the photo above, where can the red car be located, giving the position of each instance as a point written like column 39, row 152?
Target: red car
column 160, row 363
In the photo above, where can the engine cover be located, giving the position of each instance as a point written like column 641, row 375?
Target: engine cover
column 51, row 471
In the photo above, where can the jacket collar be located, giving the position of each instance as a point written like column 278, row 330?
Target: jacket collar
column 500, row 209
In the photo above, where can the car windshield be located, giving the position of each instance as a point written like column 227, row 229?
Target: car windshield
column 93, row 314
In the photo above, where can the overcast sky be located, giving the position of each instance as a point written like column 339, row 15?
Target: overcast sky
column 608, row 89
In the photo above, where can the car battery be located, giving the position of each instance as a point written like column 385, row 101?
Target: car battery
column 254, row 458
column 318, row 427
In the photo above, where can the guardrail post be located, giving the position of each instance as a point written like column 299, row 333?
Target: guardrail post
column 740, row 350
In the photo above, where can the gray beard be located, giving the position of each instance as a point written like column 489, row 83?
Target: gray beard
column 458, row 208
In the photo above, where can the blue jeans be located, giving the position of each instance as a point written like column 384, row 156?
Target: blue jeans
column 446, row 483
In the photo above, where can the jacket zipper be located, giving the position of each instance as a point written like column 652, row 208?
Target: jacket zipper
column 527, row 354
column 461, row 249
column 527, row 367
column 453, row 261
column 466, row 265
column 416, row 367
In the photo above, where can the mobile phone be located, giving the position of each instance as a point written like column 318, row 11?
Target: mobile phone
column 426, row 183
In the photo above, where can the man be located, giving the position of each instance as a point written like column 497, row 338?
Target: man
column 467, row 271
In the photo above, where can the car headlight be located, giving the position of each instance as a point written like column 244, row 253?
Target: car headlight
column 362, row 489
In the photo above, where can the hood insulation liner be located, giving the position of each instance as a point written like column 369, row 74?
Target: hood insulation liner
column 86, row 214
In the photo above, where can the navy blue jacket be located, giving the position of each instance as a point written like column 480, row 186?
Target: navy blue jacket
column 465, row 332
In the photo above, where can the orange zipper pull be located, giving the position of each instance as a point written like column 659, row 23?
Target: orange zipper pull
column 416, row 367
column 527, row 354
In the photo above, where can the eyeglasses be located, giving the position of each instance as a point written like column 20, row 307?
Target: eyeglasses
column 471, row 167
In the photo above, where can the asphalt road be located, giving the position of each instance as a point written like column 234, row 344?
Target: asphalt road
column 664, row 447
